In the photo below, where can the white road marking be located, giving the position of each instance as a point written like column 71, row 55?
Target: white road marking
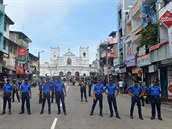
column 54, row 123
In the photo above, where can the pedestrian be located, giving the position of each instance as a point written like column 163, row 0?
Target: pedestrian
column 144, row 89
column 121, row 86
column 111, row 97
column 40, row 84
column 7, row 95
column 98, row 96
column 52, row 89
column 89, row 82
column 83, row 87
column 26, row 95
column 136, row 92
column 60, row 92
column 15, row 90
column 46, row 95
column 155, row 100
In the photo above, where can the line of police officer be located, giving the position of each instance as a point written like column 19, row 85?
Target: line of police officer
column 135, row 91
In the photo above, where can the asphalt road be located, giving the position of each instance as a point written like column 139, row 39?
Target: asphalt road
column 78, row 115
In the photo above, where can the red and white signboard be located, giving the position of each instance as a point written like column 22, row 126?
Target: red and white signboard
column 166, row 18
column 21, row 52
column 19, row 69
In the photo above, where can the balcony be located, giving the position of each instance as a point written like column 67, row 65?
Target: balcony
column 136, row 9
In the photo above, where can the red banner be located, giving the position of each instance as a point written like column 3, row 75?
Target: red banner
column 166, row 18
column 19, row 69
column 21, row 52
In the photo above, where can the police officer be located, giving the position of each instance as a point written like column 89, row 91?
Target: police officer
column 98, row 96
column 46, row 94
column 83, row 87
column 7, row 95
column 111, row 97
column 154, row 92
column 15, row 90
column 136, row 92
column 60, row 92
column 25, row 94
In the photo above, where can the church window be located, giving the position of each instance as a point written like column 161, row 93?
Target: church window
column 69, row 61
column 84, row 54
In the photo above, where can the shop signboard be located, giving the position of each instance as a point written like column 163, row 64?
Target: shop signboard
column 19, row 69
column 143, row 60
column 166, row 18
column 169, row 84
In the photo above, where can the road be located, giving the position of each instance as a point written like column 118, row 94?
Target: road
column 78, row 115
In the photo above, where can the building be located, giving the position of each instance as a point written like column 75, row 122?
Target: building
column 68, row 64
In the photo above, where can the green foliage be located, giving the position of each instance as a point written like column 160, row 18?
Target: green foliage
column 149, row 35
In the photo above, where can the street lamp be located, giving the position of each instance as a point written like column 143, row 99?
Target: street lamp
column 39, row 63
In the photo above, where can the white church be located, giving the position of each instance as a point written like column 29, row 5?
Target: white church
column 68, row 64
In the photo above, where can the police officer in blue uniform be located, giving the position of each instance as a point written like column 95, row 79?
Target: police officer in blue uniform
column 98, row 96
column 7, row 95
column 60, row 92
column 111, row 97
column 136, row 92
column 46, row 95
column 155, row 92
column 26, row 94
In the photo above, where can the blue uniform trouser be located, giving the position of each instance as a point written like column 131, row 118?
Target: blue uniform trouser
column 52, row 97
column 135, row 99
column 46, row 96
column 25, row 97
column 15, row 91
column 83, row 92
column 99, row 97
column 89, row 90
column 112, row 102
column 60, row 97
column 6, row 98
column 155, row 101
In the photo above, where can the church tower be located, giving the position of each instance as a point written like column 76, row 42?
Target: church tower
column 84, row 55
column 55, row 53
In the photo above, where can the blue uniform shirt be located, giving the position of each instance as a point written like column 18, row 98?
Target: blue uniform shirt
column 46, row 87
column 8, row 87
column 154, row 91
column 25, row 87
column 135, row 90
column 59, row 86
column 111, row 88
column 98, row 89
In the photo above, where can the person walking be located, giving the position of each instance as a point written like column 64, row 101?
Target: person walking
column 26, row 95
column 83, row 87
column 60, row 92
column 135, row 91
column 121, row 86
column 155, row 100
column 15, row 90
column 111, row 97
column 89, row 82
column 7, row 95
column 98, row 96
column 40, row 84
column 46, row 95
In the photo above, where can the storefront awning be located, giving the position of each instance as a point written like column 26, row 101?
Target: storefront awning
column 154, row 47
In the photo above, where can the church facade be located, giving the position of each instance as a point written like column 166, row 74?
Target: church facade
column 68, row 64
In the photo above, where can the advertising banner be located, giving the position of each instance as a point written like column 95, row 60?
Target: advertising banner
column 19, row 69
column 22, row 52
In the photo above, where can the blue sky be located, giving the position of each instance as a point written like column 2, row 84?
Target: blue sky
column 63, row 23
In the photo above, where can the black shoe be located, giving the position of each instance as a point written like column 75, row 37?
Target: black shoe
column 152, row 118
column 21, row 112
column 86, row 101
column 91, row 114
column 159, row 118
column 29, row 113
column 49, row 112
column 141, row 118
column 2, row 113
column 41, row 112
column 118, row 117
column 51, row 101
column 9, row 113
column 65, row 113
column 111, row 116
column 101, row 114
column 59, row 112
column 131, row 117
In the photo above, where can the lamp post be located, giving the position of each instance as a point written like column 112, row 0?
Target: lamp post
column 39, row 62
